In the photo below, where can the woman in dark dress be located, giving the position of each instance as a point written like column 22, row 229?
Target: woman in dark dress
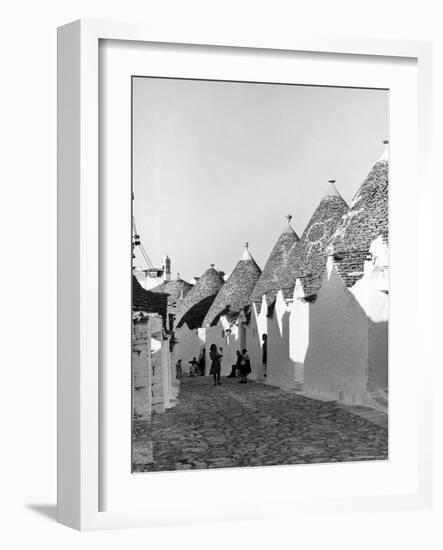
column 238, row 364
column 245, row 368
column 215, row 357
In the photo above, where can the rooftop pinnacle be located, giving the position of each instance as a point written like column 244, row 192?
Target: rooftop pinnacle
column 331, row 190
column 246, row 254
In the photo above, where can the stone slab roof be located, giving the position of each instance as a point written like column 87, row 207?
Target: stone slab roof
column 308, row 257
column 236, row 292
column 148, row 301
column 176, row 290
column 276, row 273
column 366, row 220
column 194, row 307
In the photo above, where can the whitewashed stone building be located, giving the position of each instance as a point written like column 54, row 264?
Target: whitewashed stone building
column 293, row 276
column 176, row 289
column 152, row 384
column 307, row 264
column 151, row 277
column 347, row 356
column 274, row 279
column 225, row 322
column 190, row 312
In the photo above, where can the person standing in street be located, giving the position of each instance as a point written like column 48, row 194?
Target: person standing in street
column 215, row 357
column 236, row 368
column 178, row 369
column 245, row 367
column 265, row 354
column 201, row 361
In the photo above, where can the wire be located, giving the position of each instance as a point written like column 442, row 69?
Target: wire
column 144, row 253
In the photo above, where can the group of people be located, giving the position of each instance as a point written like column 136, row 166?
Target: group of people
column 241, row 368
column 196, row 368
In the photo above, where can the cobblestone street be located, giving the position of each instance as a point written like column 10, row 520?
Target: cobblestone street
column 253, row 425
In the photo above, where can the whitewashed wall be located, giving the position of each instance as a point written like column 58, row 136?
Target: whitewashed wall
column 167, row 374
column 281, row 366
column 141, row 365
column 347, row 357
column 190, row 342
column 298, row 334
column 372, row 294
column 253, row 345
column 257, row 326
column 337, row 355
column 231, row 346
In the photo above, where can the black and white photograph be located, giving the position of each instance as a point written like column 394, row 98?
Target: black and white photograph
column 260, row 274
column 224, row 331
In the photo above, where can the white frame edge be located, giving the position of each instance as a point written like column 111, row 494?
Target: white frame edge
column 78, row 249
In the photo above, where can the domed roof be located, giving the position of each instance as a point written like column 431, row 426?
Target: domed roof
column 307, row 258
column 148, row 301
column 235, row 294
column 275, row 272
column 176, row 289
column 366, row 219
column 194, row 307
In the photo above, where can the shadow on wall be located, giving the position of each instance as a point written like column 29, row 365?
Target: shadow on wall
column 254, row 347
column 347, row 355
column 378, row 351
column 281, row 368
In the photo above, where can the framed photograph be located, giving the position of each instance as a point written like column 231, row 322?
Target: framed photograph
column 235, row 224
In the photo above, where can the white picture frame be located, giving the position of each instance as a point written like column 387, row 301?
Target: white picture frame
column 79, row 257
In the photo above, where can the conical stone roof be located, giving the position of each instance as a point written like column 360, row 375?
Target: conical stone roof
column 148, row 301
column 275, row 274
column 194, row 307
column 366, row 219
column 176, row 289
column 235, row 294
column 307, row 259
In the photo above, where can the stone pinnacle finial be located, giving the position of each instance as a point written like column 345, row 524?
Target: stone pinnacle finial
column 178, row 275
column 385, row 154
column 331, row 191
column 246, row 255
column 288, row 227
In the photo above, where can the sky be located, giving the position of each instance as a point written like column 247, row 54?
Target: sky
column 217, row 164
